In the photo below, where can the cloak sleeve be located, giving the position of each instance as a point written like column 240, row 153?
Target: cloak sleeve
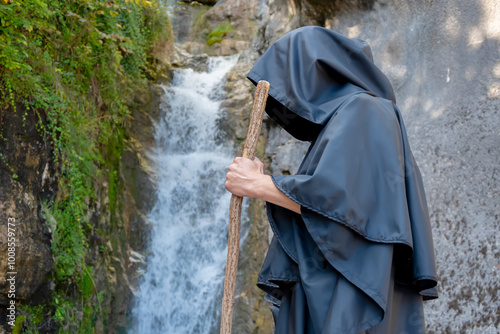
column 360, row 190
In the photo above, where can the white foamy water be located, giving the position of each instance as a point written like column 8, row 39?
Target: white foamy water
column 181, row 289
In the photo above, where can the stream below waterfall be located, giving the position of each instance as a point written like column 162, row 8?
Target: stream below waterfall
column 181, row 289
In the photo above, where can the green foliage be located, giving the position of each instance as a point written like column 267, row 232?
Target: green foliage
column 64, row 313
column 29, row 319
column 18, row 324
column 219, row 33
column 76, row 64
column 87, row 285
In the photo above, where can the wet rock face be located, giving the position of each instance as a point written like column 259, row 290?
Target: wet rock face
column 26, row 179
column 194, row 24
column 238, row 13
column 137, row 175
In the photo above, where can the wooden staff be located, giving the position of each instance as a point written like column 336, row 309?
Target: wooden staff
column 233, row 246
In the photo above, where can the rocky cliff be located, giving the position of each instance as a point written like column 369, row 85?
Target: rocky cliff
column 20, row 197
column 119, row 232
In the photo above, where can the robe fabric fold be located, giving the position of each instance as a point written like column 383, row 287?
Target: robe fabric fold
column 359, row 258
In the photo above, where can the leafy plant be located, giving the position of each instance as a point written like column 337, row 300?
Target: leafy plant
column 29, row 319
column 219, row 33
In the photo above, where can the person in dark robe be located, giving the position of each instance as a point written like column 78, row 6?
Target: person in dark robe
column 352, row 250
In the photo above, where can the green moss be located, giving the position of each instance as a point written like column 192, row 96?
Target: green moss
column 18, row 324
column 86, row 285
column 112, row 156
column 29, row 319
column 219, row 33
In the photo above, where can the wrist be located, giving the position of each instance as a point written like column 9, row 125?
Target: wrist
column 261, row 185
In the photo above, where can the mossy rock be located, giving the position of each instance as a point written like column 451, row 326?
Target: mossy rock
column 219, row 33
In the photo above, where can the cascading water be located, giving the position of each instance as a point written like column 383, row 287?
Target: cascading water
column 181, row 289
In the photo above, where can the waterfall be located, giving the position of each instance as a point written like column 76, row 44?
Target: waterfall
column 181, row 290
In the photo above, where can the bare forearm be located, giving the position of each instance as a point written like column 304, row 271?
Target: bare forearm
column 267, row 191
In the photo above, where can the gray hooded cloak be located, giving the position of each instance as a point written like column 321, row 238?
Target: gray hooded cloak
column 359, row 257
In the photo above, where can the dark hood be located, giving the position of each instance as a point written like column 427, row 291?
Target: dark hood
column 312, row 71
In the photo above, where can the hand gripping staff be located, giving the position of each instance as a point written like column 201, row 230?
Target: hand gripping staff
column 233, row 246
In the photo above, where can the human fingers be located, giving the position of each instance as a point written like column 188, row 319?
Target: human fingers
column 260, row 164
column 236, row 162
column 243, row 162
